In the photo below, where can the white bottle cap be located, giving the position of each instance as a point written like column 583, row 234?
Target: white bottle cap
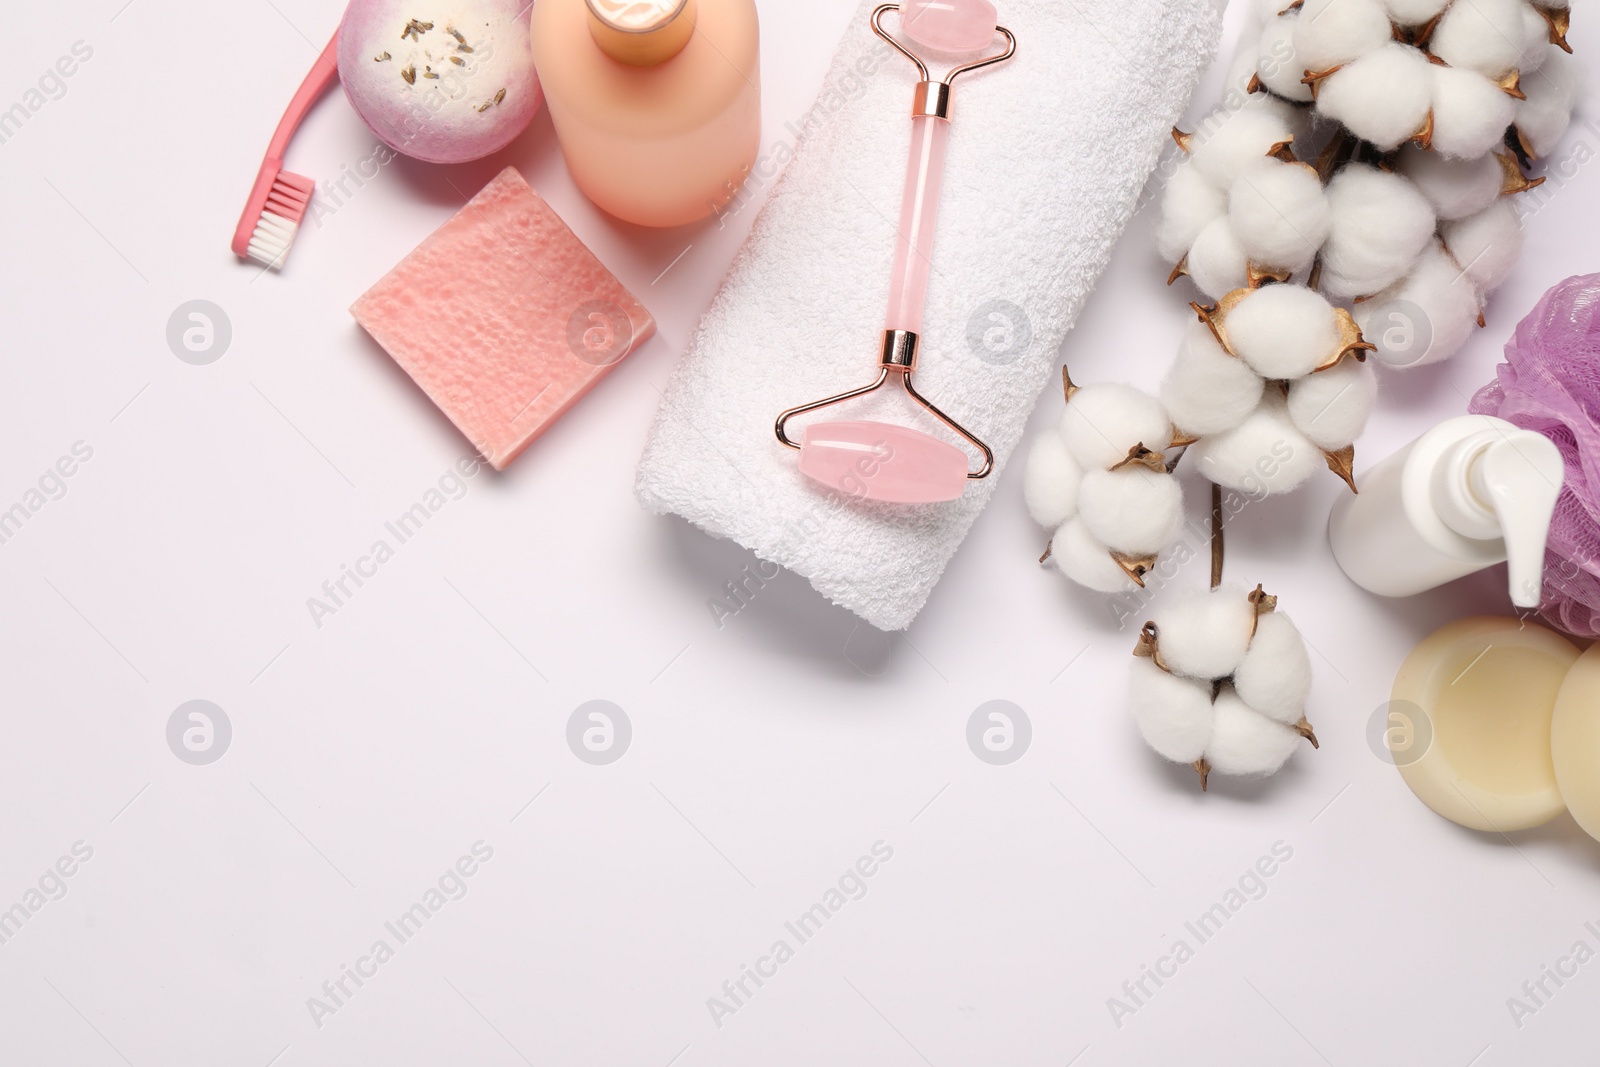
column 1503, row 484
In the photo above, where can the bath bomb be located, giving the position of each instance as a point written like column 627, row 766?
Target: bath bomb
column 444, row 81
column 504, row 318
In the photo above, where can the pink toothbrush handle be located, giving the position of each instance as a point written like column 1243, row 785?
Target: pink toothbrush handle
column 323, row 73
column 919, row 213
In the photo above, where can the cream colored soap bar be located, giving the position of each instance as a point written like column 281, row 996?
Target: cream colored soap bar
column 1575, row 741
column 1484, row 692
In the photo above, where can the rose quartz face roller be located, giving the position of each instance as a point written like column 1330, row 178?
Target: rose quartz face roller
column 882, row 461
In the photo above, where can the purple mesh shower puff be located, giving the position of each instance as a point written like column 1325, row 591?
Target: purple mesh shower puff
column 1550, row 383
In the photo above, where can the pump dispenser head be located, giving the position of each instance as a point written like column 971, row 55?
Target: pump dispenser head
column 1503, row 484
column 642, row 33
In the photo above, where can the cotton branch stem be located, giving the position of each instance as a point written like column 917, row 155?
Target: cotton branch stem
column 1216, row 535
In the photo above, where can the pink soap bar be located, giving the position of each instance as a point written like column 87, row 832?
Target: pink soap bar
column 883, row 461
column 504, row 318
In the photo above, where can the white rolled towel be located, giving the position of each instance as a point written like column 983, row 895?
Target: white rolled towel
column 1048, row 154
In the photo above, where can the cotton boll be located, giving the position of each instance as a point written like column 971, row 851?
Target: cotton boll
column 1267, row 10
column 1086, row 561
column 1173, row 714
column 1331, row 407
column 1536, row 46
column 1135, row 511
column 1206, row 390
column 1278, row 213
column 1413, row 12
column 1543, row 117
column 1383, row 97
column 1217, row 263
column 1189, row 204
column 1228, row 141
column 1274, row 678
column 1242, row 64
column 1455, row 187
column 1331, row 32
column 1104, row 421
column 1487, row 244
column 1481, row 35
column 1277, row 64
column 1424, row 319
column 1470, row 113
column 1282, row 331
column 1264, row 455
column 1379, row 225
column 1203, row 633
column 1050, row 481
column 1244, row 742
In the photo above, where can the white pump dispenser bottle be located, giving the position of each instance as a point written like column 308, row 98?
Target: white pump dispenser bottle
column 1470, row 493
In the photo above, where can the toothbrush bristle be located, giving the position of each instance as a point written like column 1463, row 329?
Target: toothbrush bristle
column 280, row 219
column 274, row 236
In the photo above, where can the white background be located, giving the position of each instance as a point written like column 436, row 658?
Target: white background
column 767, row 755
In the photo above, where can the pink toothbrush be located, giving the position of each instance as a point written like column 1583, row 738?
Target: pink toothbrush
column 882, row 461
column 278, row 202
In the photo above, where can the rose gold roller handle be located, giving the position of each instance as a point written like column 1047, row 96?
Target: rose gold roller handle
column 919, row 203
column 909, row 466
column 919, row 214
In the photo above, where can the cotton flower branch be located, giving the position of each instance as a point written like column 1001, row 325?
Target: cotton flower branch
column 1352, row 208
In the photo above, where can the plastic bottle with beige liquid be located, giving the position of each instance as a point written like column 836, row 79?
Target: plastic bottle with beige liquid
column 1471, row 492
column 657, row 103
